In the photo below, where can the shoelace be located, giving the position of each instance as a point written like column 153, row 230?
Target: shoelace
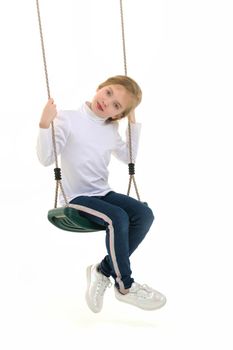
column 104, row 286
column 101, row 288
column 147, row 288
column 143, row 290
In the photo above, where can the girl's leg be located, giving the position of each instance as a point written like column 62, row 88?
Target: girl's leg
column 140, row 216
column 140, row 220
column 116, row 221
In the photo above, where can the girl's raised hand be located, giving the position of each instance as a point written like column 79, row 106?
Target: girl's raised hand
column 131, row 116
column 48, row 114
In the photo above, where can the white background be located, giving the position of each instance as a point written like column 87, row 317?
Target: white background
column 180, row 52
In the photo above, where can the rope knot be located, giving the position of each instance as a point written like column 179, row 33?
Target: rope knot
column 131, row 168
column 57, row 172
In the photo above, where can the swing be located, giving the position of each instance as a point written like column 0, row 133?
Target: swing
column 69, row 217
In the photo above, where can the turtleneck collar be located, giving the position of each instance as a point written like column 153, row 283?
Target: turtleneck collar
column 92, row 115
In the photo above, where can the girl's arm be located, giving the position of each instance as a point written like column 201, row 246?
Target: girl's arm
column 121, row 150
column 131, row 117
column 45, row 150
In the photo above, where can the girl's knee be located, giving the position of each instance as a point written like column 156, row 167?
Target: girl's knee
column 149, row 215
column 120, row 218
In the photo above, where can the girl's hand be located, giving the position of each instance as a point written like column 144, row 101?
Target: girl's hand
column 48, row 114
column 131, row 117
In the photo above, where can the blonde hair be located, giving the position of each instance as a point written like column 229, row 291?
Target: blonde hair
column 131, row 86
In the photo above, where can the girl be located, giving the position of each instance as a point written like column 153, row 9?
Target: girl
column 86, row 138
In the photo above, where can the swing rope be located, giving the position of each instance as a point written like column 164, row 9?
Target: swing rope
column 57, row 170
column 131, row 165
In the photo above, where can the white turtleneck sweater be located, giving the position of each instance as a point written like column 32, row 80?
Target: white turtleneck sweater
column 85, row 143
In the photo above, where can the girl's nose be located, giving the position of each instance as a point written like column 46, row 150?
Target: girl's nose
column 104, row 104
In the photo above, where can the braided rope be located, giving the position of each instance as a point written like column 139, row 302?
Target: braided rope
column 123, row 37
column 131, row 177
column 58, row 182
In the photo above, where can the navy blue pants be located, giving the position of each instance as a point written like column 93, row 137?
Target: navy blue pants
column 127, row 222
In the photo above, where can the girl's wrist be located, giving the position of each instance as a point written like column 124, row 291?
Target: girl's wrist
column 43, row 125
column 132, row 120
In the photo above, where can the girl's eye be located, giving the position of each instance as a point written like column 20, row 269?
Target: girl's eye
column 108, row 92
column 116, row 106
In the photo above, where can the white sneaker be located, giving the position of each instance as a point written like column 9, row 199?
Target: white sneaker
column 142, row 296
column 96, row 287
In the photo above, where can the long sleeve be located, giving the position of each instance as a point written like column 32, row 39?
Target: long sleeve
column 121, row 150
column 85, row 143
column 45, row 151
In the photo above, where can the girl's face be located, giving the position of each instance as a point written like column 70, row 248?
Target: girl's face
column 111, row 101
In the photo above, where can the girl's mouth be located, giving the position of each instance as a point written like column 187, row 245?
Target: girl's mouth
column 99, row 107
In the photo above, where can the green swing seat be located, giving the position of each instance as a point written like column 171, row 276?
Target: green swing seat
column 69, row 219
